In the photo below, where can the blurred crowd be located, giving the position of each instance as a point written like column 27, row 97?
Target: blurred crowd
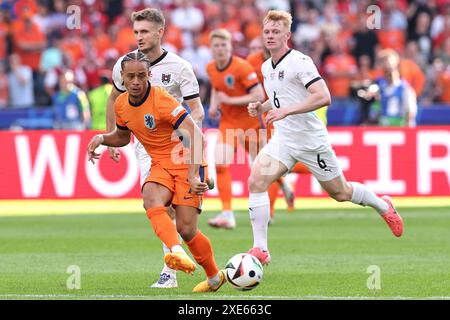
column 50, row 55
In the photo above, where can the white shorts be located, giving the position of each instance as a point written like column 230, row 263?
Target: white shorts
column 144, row 161
column 322, row 162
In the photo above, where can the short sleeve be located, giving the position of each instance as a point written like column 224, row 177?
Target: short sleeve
column 117, row 77
column 307, row 72
column 210, row 73
column 248, row 76
column 120, row 123
column 170, row 109
column 188, row 84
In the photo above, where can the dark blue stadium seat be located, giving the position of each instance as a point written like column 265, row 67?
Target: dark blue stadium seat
column 27, row 118
column 342, row 112
column 434, row 115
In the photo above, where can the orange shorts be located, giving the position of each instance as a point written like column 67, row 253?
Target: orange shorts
column 176, row 180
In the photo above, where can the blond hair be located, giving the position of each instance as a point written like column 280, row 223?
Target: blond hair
column 223, row 34
column 279, row 16
column 388, row 53
column 149, row 14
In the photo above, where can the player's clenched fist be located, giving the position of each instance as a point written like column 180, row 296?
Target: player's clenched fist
column 254, row 109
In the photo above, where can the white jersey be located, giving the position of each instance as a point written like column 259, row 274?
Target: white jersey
column 286, row 83
column 168, row 71
column 172, row 73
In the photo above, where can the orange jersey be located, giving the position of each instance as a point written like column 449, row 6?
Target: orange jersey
column 153, row 122
column 236, row 79
column 256, row 60
column 443, row 83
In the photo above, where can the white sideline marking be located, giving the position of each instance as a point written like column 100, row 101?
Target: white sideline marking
column 238, row 297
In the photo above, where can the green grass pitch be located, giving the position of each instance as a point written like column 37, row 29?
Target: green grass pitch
column 316, row 254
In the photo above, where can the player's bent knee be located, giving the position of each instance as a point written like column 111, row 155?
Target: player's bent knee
column 340, row 196
column 171, row 212
column 152, row 203
column 187, row 232
column 257, row 184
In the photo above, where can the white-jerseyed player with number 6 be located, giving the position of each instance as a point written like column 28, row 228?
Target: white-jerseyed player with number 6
column 295, row 89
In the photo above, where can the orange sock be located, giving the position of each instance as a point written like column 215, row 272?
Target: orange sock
column 202, row 251
column 163, row 226
column 273, row 194
column 224, row 186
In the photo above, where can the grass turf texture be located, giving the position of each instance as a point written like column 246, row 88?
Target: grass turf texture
column 316, row 254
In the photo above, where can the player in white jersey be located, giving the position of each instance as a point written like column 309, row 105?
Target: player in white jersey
column 295, row 89
column 173, row 74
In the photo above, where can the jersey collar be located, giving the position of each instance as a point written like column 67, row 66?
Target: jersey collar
column 159, row 59
column 281, row 59
column 143, row 99
column 226, row 66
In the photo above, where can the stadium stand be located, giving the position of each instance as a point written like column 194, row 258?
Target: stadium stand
column 91, row 48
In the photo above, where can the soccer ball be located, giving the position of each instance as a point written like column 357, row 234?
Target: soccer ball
column 244, row 271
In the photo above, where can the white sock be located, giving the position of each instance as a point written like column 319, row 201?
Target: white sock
column 177, row 248
column 214, row 281
column 365, row 197
column 259, row 210
column 228, row 214
column 166, row 269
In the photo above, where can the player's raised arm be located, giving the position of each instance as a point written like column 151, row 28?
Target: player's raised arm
column 118, row 138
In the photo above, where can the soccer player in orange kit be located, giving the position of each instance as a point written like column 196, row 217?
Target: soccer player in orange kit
column 153, row 116
column 234, row 85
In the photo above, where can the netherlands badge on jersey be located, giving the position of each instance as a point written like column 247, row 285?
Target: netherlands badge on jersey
column 229, row 80
column 149, row 121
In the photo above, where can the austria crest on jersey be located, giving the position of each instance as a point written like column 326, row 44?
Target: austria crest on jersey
column 165, row 78
column 149, row 121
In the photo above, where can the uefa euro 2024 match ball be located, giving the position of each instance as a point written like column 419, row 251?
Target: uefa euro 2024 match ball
column 244, row 271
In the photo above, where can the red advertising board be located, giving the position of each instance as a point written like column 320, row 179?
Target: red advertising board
column 53, row 164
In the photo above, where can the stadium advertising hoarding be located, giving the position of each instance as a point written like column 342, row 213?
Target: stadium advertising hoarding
column 53, row 164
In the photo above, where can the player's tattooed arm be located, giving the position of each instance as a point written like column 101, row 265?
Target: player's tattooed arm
column 197, row 111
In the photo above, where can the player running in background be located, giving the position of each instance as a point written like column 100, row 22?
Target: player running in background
column 234, row 85
column 295, row 89
column 153, row 115
column 168, row 71
column 259, row 54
